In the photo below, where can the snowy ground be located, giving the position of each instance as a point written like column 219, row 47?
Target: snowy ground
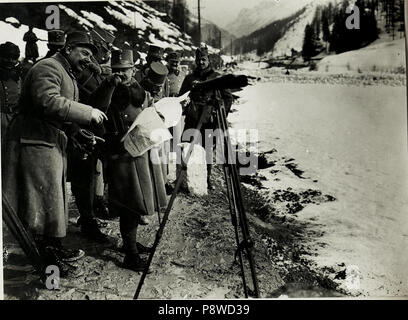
column 383, row 55
column 351, row 143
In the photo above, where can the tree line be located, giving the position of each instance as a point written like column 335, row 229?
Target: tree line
column 328, row 30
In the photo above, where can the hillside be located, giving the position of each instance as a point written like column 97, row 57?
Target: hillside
column 293, row 37
column 267, row 12
column 134, row 24
column 188, row 21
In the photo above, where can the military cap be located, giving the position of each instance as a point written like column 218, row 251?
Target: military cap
column 168, row 50
column 157, row 73
column 56, row 37
column 9, row 50
column 202, row 51
column 82, row 39
column 155, row 51
column 122, row 59
column 173, row 56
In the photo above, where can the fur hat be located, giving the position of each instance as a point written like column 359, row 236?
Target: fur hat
column 9, row 50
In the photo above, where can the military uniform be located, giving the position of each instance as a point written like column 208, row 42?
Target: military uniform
column 9, row 95
column 34, row 151
column 10, row 83
column 136, row 185
column 176, row 77
column 204, row 101
column 83, row 173
column 155, row 54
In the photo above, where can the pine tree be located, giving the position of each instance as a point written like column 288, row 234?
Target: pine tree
column 309, row 43
column 326, row 31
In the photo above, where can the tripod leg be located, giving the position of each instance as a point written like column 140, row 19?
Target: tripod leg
column 235, row 183
column 234, row 221
column 21, row 234
column 159, row 233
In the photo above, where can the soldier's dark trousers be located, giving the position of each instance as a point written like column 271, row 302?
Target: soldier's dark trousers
column 128, row 223
column 82, row 174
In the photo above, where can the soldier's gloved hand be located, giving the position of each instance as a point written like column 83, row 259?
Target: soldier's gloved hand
column 98, row 116
column 185, row 102
column 114, row 79
column 194, row 83
column 96, row 69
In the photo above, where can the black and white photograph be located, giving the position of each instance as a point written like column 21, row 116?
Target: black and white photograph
column 204, row 150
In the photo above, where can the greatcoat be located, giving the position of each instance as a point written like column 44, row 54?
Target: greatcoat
column 136, row 185
column 34, row 150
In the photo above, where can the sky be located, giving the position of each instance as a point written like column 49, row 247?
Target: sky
column 222, row 12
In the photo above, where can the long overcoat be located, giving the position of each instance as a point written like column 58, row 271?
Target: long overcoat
column 34, row 150
column 136, row 185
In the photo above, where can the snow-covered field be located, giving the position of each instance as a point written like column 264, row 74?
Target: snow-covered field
column 382, row 55
column 353, row 141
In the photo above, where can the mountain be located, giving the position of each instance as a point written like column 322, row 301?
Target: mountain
column 293, row 37
column 211, row 33
column 265, row 13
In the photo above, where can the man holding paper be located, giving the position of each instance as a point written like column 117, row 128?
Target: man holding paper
column 136, row 184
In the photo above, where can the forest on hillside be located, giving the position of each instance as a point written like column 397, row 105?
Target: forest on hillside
column 328, row 30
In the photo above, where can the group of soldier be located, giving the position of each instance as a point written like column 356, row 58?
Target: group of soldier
column 63, row 120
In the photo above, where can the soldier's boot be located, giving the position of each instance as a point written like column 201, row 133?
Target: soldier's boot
column 66, row 269
column 101, row 209
column 133, row 262
column 53, row 246
column 91, row 231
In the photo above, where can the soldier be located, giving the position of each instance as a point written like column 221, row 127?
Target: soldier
column 31, row 49
column 34, row 152
column 155, row 83
column 155, row 54
column 132, row 181
column 175, row 76
column 155, row 80
column 85, row 173
column 10, row 83
column 203, row 101
column 56, row 41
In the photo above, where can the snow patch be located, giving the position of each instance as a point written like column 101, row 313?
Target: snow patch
column 82, row 21
column 98, row 20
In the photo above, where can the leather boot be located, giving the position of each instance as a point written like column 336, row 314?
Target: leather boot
column 90, row 230
column 133, row 262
